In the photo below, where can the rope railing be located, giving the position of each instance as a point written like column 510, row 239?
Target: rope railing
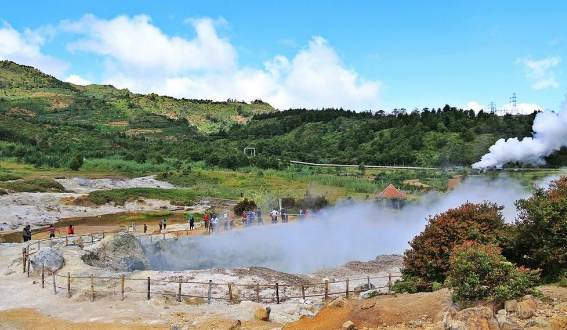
column 97, row 287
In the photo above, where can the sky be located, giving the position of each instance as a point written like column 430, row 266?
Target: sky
column 359, row 55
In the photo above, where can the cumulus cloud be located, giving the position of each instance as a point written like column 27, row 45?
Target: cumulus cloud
column 314, row 78
column 25, row 48
column 474, row 106
column 522, row 108
column 540, row 72
column 139, row 56
column 77, row 80
column 134, row 42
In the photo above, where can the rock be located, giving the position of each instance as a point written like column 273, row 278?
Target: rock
column 502, row 312
column 368, row 304
column 348, row 325
column 369, row 294
column 262, row 314
column 50, row 257
column 478, row 318
column 539, row 323
column 235, row 325
column 526, row 309
column 121, row 252
column 338, row 303
column 364, row 287
column 511, row 305
column 507, row 323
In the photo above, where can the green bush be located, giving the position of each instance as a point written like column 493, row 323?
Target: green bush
column 436, row 286
column 479, row 272
column 404, row 286
column 8, row 177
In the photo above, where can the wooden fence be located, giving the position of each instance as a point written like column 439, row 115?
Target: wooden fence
column 99, row 287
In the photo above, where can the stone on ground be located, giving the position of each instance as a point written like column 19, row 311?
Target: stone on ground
column 262, row 314
column 121, row 252
column 51, row 258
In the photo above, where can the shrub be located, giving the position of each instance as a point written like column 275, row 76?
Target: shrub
column 428, row 258
column 244, row 205
column 541, row 234
column 480, row 272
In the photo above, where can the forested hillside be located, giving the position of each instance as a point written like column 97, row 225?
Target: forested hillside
column 46, row 122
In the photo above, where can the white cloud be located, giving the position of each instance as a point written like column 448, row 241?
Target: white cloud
column 137, row 45
column 540, row 72
column 522, row 108
column 314, row 78
column 25, row 48
column 77, row 80
column 474, row 106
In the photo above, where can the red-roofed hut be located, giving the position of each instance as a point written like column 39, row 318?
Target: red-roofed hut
column 391, row 197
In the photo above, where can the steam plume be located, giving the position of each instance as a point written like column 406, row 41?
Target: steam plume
column 550, row 134
column 348, row 232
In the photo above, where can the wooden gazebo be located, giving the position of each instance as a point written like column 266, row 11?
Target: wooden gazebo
column 392, row 197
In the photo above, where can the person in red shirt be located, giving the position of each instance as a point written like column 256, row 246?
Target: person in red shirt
column 206, row 220
column 52, row 230
column 71, row 230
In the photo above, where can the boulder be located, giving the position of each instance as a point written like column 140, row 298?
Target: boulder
column 348, row 325
column 526, row 309
column 235, row 325
column 478, row 318
column 511, row 305
column 262, row 314
column 338, row 303
column 121, row 252
column 539, row 323
column 49, row 257
column 507, row 323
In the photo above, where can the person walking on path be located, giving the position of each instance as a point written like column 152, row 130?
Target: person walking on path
column 231, row 220
column 160, row 225
column 145, row 228
column 259, row 216
column 71, row 230
column 191, row 222
column 244, row 219
column 164, row 223
column 225, row 221
column 52, row 230
column 206, row 220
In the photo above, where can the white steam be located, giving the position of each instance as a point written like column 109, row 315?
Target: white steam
column 550, row 134
column 347, row 232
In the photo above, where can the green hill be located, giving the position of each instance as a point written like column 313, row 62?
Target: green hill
column 26, row 91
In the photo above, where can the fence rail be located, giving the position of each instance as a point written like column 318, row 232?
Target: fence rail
column 99, row 286
column 96, row 287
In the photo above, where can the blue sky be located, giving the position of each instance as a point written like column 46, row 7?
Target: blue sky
column 353, row 54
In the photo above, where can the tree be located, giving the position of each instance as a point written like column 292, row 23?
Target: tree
column 428, row 258
column 479, row 272
column 541, row 230
column 76, row 163
column 361, row 169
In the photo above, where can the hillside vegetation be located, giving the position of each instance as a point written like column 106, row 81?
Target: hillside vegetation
column 49, row 123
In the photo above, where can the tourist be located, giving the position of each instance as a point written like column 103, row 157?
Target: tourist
column 145, row 228
column 29, row 232
column 133, row 226
column 259, row 216
column 160, row 225
column 52, row 230
column 244, row 216
column 164, row 223
column 191, row 222
column 231, row 220
column 225, row 221
column 214, row 223
column 274, row 215
column 206, row 220
column 70, row 230
column 25, row 234
column 250, row 218
column 284, row 215
column 300, row 214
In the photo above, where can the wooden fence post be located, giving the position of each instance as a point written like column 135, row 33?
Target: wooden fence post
column 326, row 289
column 368, row 283
column 92, row 287
column 179, row 292
column 277, row 293
column 43, row 276
column 68, row 285
column 122, row 287
column 24, row 256
column 163, row 235
column 38, row 245
column 54, row 286
column 151, row 238
column 103, row 234
column 29, row 266
column 210, row 290
column 347, row 282
column 257, row 292
column 92, row 238
column 149, row 287
column 230, row 292
column 389, row 283
column 66, row 240
column 303, row 291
